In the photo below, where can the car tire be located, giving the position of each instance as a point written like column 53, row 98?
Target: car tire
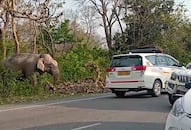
column 156, row 90
column 171, row 99
column 120, row 94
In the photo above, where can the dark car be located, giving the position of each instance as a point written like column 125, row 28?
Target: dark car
column 178, row 84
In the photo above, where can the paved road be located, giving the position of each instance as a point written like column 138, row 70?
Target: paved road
column 101, row 112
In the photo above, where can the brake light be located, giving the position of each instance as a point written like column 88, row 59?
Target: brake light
column 139, row 68
column 111, row 69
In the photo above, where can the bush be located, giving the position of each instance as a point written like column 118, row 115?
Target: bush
column 10, row 86
column 75, row 65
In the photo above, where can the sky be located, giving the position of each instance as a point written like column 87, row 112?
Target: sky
column 70, row 4
column 187, row 4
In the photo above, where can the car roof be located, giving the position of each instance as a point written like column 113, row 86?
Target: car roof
column 141, row 54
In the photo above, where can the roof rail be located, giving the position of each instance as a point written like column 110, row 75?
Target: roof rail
column 146, row 50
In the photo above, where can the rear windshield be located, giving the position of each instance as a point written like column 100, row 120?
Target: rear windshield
column 126, row 61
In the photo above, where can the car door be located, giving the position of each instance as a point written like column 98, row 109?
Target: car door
column 164, row 68
column 173, row 64
column 169, row 64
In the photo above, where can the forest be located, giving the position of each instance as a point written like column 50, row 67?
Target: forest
column 82, row 52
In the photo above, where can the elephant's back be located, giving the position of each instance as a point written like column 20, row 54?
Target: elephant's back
column 11, row 63
column 18, row 61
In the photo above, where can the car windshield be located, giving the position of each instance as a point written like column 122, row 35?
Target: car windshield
column 126, row 61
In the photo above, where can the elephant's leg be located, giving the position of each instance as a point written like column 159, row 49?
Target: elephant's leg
column 28, row 74
column 34, row 79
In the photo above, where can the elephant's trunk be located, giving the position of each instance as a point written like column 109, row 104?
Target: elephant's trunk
column 56, row 75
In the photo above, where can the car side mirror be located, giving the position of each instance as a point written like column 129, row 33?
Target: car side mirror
column 188, row 85
column 180, row 65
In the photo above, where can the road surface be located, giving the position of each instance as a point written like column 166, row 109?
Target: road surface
column 98, row 112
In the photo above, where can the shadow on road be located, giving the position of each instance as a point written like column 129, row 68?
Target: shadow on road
column 142, row 94
column 137, row 95
column 131, row 102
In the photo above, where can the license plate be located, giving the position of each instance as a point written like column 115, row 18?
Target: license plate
column 121, row 73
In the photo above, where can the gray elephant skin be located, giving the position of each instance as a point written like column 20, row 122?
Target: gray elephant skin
column 31, row 63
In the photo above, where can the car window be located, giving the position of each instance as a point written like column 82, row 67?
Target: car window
column 161, row 60
column 152, row 59
column 126, row 61
column 171, row 62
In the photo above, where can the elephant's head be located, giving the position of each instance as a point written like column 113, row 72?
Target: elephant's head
column 47, row 64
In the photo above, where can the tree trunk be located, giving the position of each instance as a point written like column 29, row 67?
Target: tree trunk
column 15, row 37
column 107, row 33
column 2, row 44
column 3, row 32
column 35, row 38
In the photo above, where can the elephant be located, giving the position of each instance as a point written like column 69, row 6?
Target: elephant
column 28, row 64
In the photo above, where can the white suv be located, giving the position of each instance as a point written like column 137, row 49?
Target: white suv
column 179, row 118
column 141, row 69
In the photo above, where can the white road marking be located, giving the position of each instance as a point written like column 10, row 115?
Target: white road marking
column 87, row 126
column 54, row 103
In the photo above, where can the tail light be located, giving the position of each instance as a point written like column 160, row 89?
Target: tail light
column 139, row 68
column 111, row 69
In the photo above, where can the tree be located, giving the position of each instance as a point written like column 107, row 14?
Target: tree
column 108, row 10
column 88, row 20
column 40, row 12
column 145, row 21
column 60, row 36
column 4, row 21
column 155, row 23
column 63, row 33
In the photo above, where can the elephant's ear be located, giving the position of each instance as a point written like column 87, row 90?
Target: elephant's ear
column 40, row 64
column 55, row 63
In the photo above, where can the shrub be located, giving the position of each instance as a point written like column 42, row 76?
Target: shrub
column 10, row 86
column 74, row 64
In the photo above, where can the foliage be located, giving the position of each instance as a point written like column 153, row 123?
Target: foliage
column 13, row 90
column 19, row 12
column 10, row 86
column 144, row 23
column 157, row 23
column 176, row 40
column 50, row 35
column 75, row 64
column 63, row 34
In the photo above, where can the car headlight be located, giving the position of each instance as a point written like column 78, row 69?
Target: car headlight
column 173, row 76
column 178, row 109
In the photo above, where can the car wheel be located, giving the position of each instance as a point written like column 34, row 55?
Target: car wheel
column 156, row 90
column 171, row 99
column 119, row 94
